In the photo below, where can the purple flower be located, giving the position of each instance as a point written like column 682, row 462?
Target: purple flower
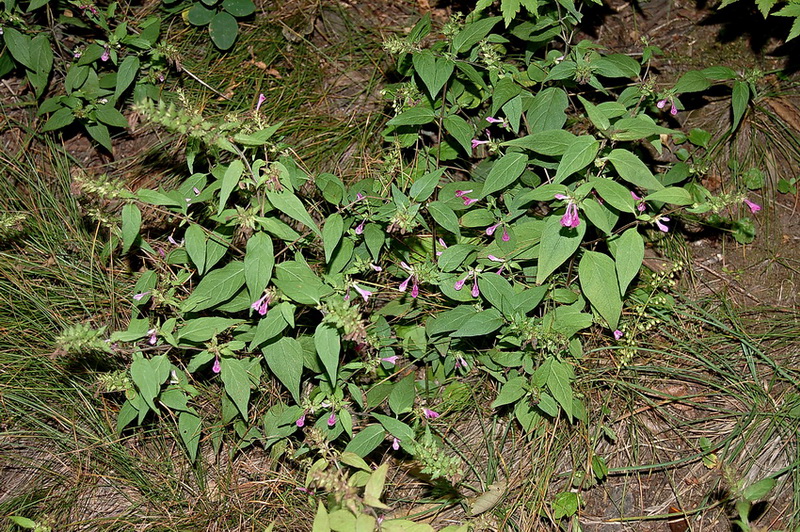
column 105, row 55
column 76, row 55
column 415, row 289
column 618, row 334
column 375, row 267
column 492, row 228
column 561, row 196
column 262, row 305
column 460, row 283
column 494, row 259
column 152, row 339
column 430, row 414
column 662, row 103
column 443, row 244
column 196, row 191
column 411, row 279
column 391, row 360
column 673, row 110
column 301, row 421
column 660, row 224
column 475, row 290
column 261, row 100
column 139, row 296
column 754, row 207
column 359, row 196
column 363, row 293
column 641, row 206
column 469, row 201
column 476, row 143
column 461, row 363
column 493, row 120
column 404, row 285
column 360, row 227
column 570, row 218
column 332, row 419
column 216, row 368
column 396, row 444
column 506, row 237
column 461, row 193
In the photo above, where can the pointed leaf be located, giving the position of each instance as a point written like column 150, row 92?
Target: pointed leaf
column 558, row 244
column 259, row 259
column 598, row 278
column 285, row 360
column 504, row 172
column 326, row 342
column 577, row 156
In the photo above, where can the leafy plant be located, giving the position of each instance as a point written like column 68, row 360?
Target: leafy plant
column 220, row 17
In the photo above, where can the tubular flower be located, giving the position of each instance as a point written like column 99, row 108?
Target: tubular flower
column 363, row 293
column 618, row 334
column 430, row 414
column 475, row 290
column 460, row 283
column 443, row 244
column 375, row 267
column 660, row 223
column 391, row 360
column 216, row 368
column 106, row 54
column 411, row 279
column 261, row 100
column 492, row 228
column 359, row 196
column 506, row 237
column 332, row 419
column 396, row 444
column 301, row 421
column 139, row 296
column 152, row 337
column 492, row 120
column 641, row 205
column 476, row 143
column 360, row 227
column 570, row 218
column 262, row 305
column 461, row 193
column 469, row 201
column 754, row 207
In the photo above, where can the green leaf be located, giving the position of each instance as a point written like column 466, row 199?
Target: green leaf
column 598, row 118
column 326, row 342
column 367, row 440
column 297, row 281
column 200, row 15
column 565, row 504
column 617, row 66
column 424, row 186
column 558, row 244
column 433, row 71
column 480, row 324
column 598, row 277
column 444, row 216
column 216, row 287
column 511, row 392
column 420, row 30
column 628, row 250
column 259, row 259
column 332, row 188
column 559, row 384
column 131, row 224
column 739, row 101
column 60, row 119
column 636, row 128
column 234, row 375
column 239, row 8
column 148, row 375
column 416, row 116
column 396, row 428
column 24, row 522
column 401, row 399
column 108, row 115
column 599, row 215
column 473, row 33
column 692, row 81
column 497, row 291
column 449, row 320
column 673, row 195
column 100, row 134
column 615, row 194
column 203, row 329
column 285, row 360
column 230, row 180
column 504, row 172
column 126, row 74
column 633, row 170
column 195, row 242
column 290, row 205
column 223, row 29
column 759, row 490
column 189, row 427
column 19, row 46
column 461, row 131
column 332, row 233
column 268, row 328
column 546, row 111
column 577, row 156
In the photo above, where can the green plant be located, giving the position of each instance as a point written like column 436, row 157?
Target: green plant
column 220, row 17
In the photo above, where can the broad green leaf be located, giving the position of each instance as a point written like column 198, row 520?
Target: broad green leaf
column 512, row 391
column 234, row 375
column 131, row 224
column 449, row 320
column 416, row 116
column 565, row 504
column 615, row 194
column 598, row 118
column 759, row 490
column 599, row 215
column 478, row 218
column 126, row 74
column 297, row 281
column 285, row 360
column 200, row 15
column 444, row 216
column 259, row 259
column 290, row 205
column 420, row 30
column 203, row 329
column 374, row 238
column 617, row 66
column 326, row 342
column 100, row 134
column 189, row 427
column 479, row 324
column 223, row 29
column 195, row 242
column 577, row 156
column 504, row 172
column 401, row 399
column 557, row 245
column 633, row 170
column 148, row 375
column 739, row 100
column 332, row 188
column 59, row 119
column 332, row 233
column 19, row 46
column 628, row 250
column 461, row 131
column 110, row 116
column 673, row 195
column 396, row 428
column 367, row 440
column 216, row 287
column 636, row 128
column 504, row 90
column 546, row 110
column 433, row 71
column 239, row 8
column 473, row 33
column 268, row 328
column 559, row 384
column 230, row 180
column 692, row 81
column 424, row 186
column 497, row 291
column 552, row 142
column 598, row 277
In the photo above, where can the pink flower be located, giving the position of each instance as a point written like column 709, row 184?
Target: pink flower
column 396, row 444
column 262, row 305
column 332, row 419
column 415, row 289
column 662, row 103
column 641, row 206
column 411, row 279
column 561, row 196
column 660, row 224
column 506, row 237
column 359, row 196
column 461, row 193
column 618, row 334
column 216, row 368
column 461, row 363
column 152, row 339
column 469, row 201
column 430, row 414
column 363, row 293
column 460, row 284
column 673, row 110
column 375, row 267
column 404, row 285
column 391, row 360
column 261, row 100
column 360, row 227
column 493, row 120
column 476, row 143
column 139, row 296
column 475, row 290
column 443, row 244
column 570, row 218
column 301, row 420
column 106, row 55
column 492, row 228
column 754, row 207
